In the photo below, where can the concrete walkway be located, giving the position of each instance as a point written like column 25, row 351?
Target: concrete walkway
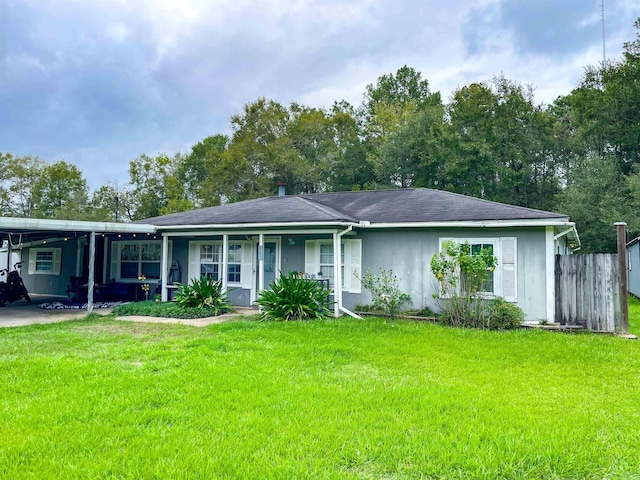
column 21, row 314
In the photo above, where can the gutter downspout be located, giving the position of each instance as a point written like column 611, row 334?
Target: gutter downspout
column 339, row 294
column 567, row 232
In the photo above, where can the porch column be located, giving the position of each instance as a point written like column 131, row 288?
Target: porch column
column 337, row 283
column 164, row 268
column 261, row 263
column 225, row 261
column 91, row 279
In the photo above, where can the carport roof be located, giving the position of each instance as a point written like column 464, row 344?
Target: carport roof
column 41, row 227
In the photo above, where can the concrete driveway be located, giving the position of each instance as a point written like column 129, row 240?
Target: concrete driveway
column 21, row 314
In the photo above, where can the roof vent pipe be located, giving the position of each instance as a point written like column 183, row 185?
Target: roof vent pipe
column 282, row 189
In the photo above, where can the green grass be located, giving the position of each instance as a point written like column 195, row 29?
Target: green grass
column 634, row 315
column 162, row 309
column 325, row 399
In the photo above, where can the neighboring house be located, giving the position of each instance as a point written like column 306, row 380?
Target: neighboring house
column 633, row 266
column 338, row 237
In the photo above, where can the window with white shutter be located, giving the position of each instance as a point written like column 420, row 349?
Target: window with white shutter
column 503, row 280
column 45, row 261
column 205, row 260
column 319, row 262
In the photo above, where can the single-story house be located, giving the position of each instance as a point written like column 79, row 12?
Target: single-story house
column 332, row 237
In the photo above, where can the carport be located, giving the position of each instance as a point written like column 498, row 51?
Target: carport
column 17, row 234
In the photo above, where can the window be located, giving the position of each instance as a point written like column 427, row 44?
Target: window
column 206, row 261
column 44, row 261
column 319, row 258
column 326, row 262
column 234, row 263
column 476, row 248
column 502, row 281
column 133, row 259
column 210, row 261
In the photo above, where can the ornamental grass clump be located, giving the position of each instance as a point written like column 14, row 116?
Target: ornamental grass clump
column 294, row 298
column 204, row 293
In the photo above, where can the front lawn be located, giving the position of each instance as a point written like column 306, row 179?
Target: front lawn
column 325, row 399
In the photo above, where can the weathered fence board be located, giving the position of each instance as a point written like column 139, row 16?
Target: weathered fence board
column 587, row 291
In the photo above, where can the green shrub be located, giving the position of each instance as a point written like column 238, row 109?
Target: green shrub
column 293, row 298
column 204, row 293
column 503, row 315
column 462, row 274
column 385, row 292
column 424, row 312
column 160, row 309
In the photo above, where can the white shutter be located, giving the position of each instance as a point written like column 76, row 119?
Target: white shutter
column 355, row 265
column 194, row 262
column 165, row 275
column 507, row 264
column 246, row 268
column 32, row 261
column 447, row 285
column 57, row 260
column 311, row 258
column 115, row 261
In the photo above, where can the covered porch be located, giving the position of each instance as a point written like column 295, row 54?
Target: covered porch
column 111, row 261
column 248, row 259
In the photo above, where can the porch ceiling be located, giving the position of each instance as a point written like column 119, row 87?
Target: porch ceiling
column 35, row 229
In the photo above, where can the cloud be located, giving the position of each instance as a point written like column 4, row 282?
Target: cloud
column 100, row 82
column 543, row 27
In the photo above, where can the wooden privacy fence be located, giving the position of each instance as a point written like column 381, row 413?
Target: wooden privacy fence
column 587, row 291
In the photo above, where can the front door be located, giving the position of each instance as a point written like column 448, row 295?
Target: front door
column 271, row 256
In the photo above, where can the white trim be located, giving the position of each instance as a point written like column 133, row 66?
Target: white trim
column 474, row 223
column 260, row 263
column 225, row 261
column 219, row 233
column 235, row 226
column 74, row 225
column 337, row 274
column 550, row 274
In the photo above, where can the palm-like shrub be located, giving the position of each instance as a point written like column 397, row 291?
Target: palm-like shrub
column 204, row 293
column 294, row 298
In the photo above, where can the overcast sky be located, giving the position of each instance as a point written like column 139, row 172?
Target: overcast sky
column 98, row 83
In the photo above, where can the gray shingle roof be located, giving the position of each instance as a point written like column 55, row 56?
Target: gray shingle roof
column 376, row 206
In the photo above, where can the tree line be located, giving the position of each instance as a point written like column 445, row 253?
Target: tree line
column 579, row 156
